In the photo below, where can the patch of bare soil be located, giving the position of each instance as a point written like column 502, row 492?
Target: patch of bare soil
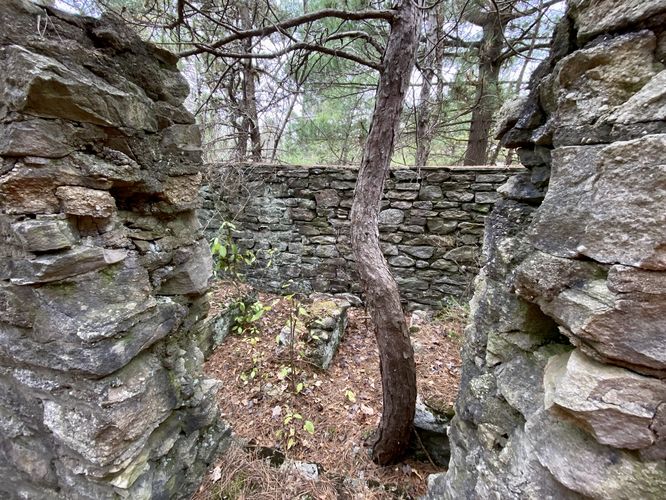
column 322, row 417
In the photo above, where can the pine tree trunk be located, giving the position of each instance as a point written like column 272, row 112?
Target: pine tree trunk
column 251, row 116
column 381, row 291
column 487, row 98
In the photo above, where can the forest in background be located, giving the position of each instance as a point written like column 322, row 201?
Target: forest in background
column 304, row 94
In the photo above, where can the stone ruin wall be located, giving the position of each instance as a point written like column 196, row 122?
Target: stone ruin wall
column 104, row 269
column 563, row 386
column 103, row 266
column 431, row 225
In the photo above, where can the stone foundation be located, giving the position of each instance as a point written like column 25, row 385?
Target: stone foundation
column 103, row 266
column 431, row 225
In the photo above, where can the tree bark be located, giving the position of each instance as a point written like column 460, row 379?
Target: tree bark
column 428, row 109
column 487, row 99
column 424, row 127
column 251, row 116
column 381, row 291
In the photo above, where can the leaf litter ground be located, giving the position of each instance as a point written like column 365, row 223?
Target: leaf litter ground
column 331, row 419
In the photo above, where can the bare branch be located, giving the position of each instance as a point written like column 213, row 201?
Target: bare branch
column 386, row 15
column 357, row 34
column 291, row 48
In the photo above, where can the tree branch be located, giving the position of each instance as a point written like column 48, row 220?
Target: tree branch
column 386, row 15
column 180, row 9
column 357, row 34
column 297, row 46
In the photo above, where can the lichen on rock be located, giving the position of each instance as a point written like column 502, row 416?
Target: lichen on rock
column 104, row 267
column 562, row 392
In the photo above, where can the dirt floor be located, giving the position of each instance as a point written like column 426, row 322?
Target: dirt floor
column 280, row 402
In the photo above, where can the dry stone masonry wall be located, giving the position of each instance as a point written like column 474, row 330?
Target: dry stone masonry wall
column 563, row 389
column 431, row 225
column 103, row 267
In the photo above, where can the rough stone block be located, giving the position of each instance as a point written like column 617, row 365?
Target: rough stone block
column 82, row 201
column 562, row 447
column 648, row 104
column 589, row 212
column 438, row 226
column 401, row 261
column 391, row 216
column 486, row 197
column 402, row 195
column 327, row 198
column 591, row 82
column 628, row 328
column 194, row 267
column 421, row 252
column 464, row 254
column 607, row 16
column 432, row 192
column 521, row 188
column 33, row 138
column 43, row 235
column 616, row 405
column 183, row 191
column 53, row 267
column 37, row 87
column 135, row 403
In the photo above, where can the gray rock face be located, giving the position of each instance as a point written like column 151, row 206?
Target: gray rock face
column 616, row 405
column 46, row 268
column 595, row 17
column 562, row 447
column 625, row 326
column 588, row 211
column 431, row 440
column 42, row 235
column 102, row 393
column 647, row 105
column 191, row 272
column 36, row 89
column 562, row 392
column 34, row 137
column 591, row 82
column 321, row 331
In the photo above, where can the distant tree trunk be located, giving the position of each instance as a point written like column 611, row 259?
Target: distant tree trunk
column 237, row 120
column 427, row 111
column 251, row 116
column 487, row 92
column 424, row 126
column 283, row 124
column 250, row 110
column 381, row 291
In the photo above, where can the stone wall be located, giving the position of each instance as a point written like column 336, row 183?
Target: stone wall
column 431, row 225
column 563, row 392
column 103, row 268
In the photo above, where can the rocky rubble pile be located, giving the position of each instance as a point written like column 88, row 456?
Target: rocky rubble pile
column 563, row 392
column 103, row 266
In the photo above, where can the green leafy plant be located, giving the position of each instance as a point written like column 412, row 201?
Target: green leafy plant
column 245, row 322
column 292, row 425
column 230, row 260
column 350, row 395
column 295, row 341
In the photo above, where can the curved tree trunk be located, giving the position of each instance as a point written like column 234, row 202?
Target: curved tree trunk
column 381, row 291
